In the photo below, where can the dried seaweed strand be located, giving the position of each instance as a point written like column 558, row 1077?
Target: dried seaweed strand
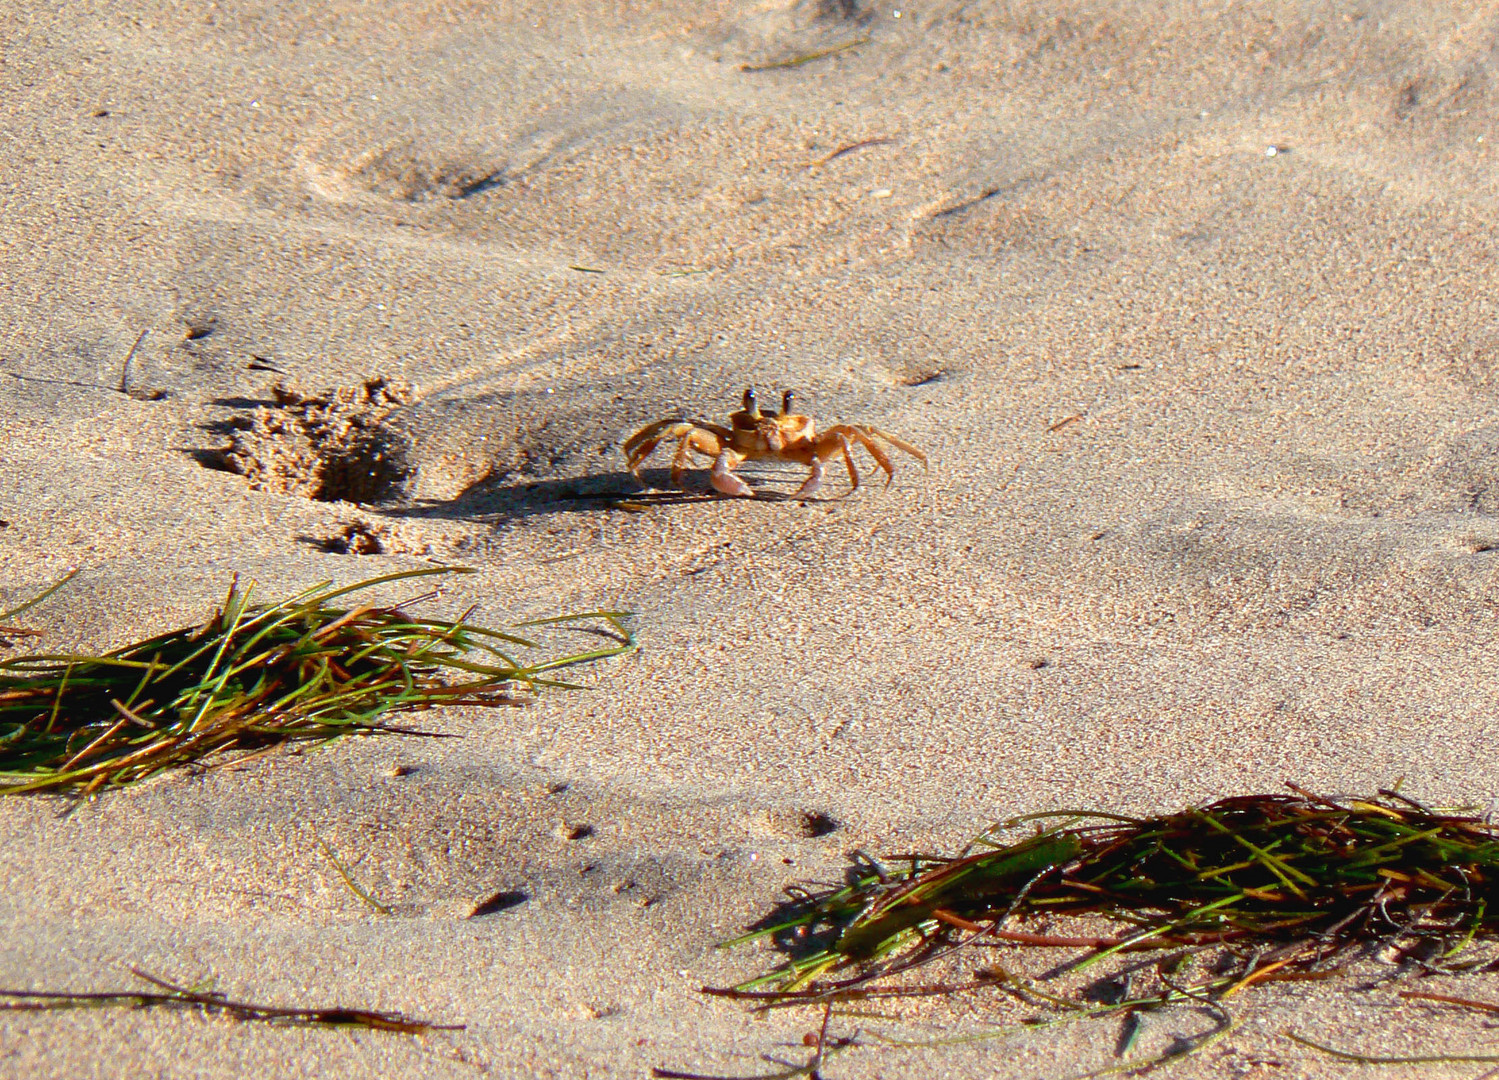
column 172, row 995
column 807, row 57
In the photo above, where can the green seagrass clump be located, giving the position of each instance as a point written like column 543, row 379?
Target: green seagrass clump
column 1192, row 907
column 259, row 675
column 1281, row 885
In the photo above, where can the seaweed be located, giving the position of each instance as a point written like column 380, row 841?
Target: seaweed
column 172, row 995
column 1244, row 891
column 807, row 57
column 256, row 676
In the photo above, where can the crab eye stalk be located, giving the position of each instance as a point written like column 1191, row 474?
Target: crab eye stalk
column 786, row 403
column 749, row 404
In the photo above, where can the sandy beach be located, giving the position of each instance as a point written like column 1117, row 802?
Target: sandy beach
column 1191, row 307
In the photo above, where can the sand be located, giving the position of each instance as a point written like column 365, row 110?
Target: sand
column 1191, row 307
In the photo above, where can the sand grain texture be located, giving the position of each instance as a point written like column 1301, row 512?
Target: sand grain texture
column 1214, row 499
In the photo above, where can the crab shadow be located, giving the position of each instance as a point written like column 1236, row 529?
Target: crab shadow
column 497, row 502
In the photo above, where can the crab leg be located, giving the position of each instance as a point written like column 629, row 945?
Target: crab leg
column 703, row 438
column 699, row 440
column 876, row 452
column 813, row 481
column 867, row 436
column 643, row 443
column 832, row 443
column 899, row 444
column 723, row 478
column 848, row 459
column 836, row 439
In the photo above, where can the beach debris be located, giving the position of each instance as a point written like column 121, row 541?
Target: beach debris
column 1448, row 1058
column 1250, row 890
column 503, row 900
column 21, row 631
column 212, row 1002
column 372, row 536
column 258, row 676
column 358, row 538
column 798, row 59
column 879, row 140
column 353, row 886
column 126, row 372
column 815, row 823
column 753, row 435
column 328, row 445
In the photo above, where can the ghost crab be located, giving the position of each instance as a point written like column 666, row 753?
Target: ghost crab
column 753, row 435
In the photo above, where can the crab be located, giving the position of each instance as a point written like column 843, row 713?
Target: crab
column 753, row 435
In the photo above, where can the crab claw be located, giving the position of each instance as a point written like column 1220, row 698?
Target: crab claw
column 812, row 483
column 723, row 479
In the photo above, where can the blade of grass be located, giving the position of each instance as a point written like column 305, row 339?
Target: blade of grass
column 807, row 57
column 1413, row 1059
column 34, row 601
column 348, row 880
column 1176, row 1053
column 1154, row 932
